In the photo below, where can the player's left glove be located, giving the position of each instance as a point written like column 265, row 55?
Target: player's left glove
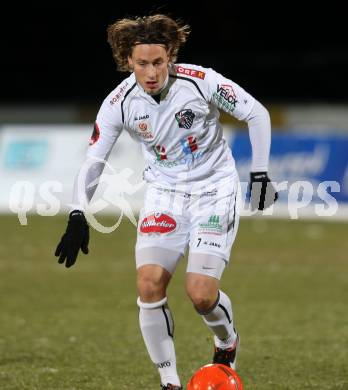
column 76, row 237
column 262, row 191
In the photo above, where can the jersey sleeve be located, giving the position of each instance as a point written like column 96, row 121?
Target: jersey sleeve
column 107, row 128
column 228, row 96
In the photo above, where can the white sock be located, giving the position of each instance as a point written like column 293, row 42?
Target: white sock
column 157, row 328
column 220, row 321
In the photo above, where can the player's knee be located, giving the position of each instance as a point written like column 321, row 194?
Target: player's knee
column 201, row 303
column 202, row 293
column 151, row 285
column 149, row 288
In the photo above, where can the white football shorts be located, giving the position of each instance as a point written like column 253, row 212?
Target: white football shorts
column 203, row 216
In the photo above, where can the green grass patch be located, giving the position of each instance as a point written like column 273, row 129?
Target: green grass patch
column 77, row 329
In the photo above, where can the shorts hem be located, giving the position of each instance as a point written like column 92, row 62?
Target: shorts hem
column 222, row 257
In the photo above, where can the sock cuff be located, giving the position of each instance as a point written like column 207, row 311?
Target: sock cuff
column 152, row 305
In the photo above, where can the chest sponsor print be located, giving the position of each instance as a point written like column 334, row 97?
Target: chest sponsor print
column 141, row 117
column 160, row 152
column 189, row 145
column 143, row 127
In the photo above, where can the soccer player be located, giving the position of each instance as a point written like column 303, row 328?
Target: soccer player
column 191, row 198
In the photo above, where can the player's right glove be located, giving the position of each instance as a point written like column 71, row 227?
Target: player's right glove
column 262, row 192
column 76, row 237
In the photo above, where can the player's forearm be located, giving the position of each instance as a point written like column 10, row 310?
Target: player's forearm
column 259, row 124
column 86, row 183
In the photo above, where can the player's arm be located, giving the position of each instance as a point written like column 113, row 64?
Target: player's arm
column 262, row 191
column 107, row 129
column 230, row 97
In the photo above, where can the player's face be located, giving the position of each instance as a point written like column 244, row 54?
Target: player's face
column 150, row 65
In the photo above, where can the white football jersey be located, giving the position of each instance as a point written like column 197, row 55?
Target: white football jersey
column 181, row 136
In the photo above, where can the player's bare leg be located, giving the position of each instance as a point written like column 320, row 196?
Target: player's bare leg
column 216, row 310
column 156, row 322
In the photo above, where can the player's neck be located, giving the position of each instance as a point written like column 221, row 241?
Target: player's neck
column 157, row 96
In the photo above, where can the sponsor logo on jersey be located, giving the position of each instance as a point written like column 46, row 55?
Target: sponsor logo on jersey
column 213, row 226
column 95, row 135
column 142, row 126
column 158, row 223
column 143, row 129
column 185, row 118
column 141, row 117
column 227, row 92
column 190, row 72
column 160, row 152
column 189, row 144
column 167, row 164
column 187, row 159
column 119, row 94
column 226, row 96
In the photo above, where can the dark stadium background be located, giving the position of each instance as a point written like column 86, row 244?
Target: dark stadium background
column 77, row 328
column 280, row 52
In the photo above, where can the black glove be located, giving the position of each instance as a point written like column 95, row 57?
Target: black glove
column 75, row 237
column 262, row 191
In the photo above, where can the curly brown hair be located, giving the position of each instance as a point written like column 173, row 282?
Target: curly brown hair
column 124, row 34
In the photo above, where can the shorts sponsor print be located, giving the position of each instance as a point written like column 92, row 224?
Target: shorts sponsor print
column 212, row 226
column 158, row 224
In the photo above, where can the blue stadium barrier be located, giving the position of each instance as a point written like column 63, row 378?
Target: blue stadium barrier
column 294, row 156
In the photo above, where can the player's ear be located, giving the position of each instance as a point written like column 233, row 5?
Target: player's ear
column 169, row 54
column 130, row 63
